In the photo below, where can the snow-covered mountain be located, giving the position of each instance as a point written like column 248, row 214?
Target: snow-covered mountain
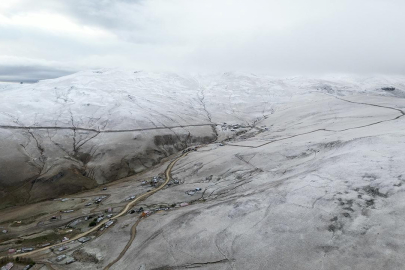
column 292, row 173
column 63, row 135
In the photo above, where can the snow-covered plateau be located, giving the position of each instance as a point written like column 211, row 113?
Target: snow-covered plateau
column 295, row 173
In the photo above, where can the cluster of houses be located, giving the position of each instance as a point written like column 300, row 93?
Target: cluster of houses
column 60, row 249
column 140, row 210
column 155, row 180
column 108, row 223
column 146, row 213
column 234, row 127
column 99, row 199
column 175, row 182
column 100, row 218
column 22, row 250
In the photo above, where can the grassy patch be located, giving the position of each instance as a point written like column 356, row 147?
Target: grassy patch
column 25, row 221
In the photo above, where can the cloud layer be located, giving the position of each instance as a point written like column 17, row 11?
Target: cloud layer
column 286, row 37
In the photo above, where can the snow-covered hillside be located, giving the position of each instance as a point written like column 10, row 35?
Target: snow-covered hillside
column 117, row 99
column 291, row 173
column 62, row 135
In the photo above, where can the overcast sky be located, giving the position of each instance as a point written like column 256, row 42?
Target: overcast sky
column 49, row 38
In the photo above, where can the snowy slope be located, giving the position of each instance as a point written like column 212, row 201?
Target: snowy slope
column 116, row 99
column 98, row 126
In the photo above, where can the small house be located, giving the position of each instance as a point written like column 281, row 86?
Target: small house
column 8, row 266
column 84, row 239
column 60, row 258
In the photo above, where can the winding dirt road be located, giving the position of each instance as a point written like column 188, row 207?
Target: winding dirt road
column 133, row 228
column 122, row 253
column 123, row 212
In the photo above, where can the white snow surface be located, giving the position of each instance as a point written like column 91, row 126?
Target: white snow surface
column 315, row 179
column 123, row 99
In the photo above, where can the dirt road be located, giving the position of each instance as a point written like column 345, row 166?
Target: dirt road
column 101, row 224
column 133, row 229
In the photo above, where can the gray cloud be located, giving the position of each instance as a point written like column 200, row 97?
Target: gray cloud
column 279, row 37
column 116, row 15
